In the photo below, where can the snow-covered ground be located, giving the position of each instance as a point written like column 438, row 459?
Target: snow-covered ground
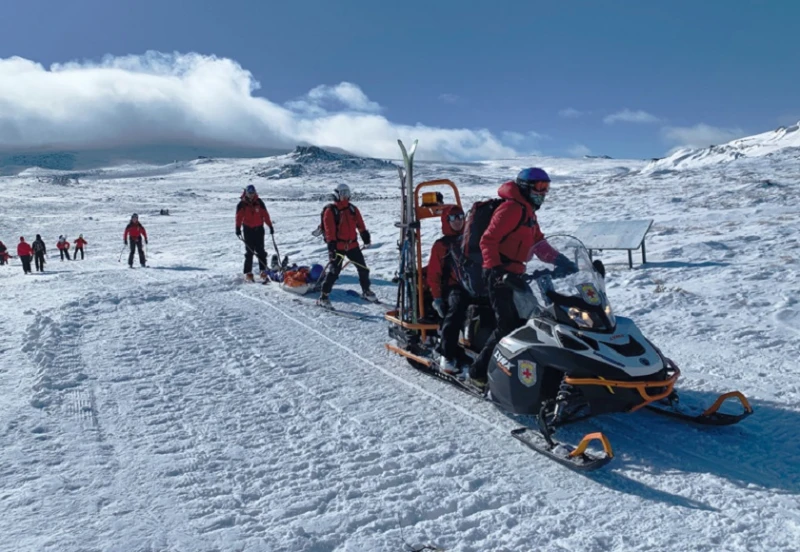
column 176, row 408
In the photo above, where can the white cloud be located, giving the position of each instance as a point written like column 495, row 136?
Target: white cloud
column 700, row 135
column 449, row 98
column 579, row 150
column 570, row 113
column 196, row 99
column 512, row 137
column 628, row 116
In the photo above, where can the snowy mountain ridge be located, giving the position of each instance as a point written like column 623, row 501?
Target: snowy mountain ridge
column 314, row 161
column 782, row 140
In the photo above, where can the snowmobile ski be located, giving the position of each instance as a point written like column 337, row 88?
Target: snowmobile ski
column 354, row 293
column 574, row 458
column 710, row 416
column 345, row 314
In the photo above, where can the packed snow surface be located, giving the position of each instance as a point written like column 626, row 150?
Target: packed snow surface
column 177, row 408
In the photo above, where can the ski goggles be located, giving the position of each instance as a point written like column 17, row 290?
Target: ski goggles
column 455, row 217
column 538, row 186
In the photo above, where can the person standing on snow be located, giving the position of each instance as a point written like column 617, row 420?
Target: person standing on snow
column 3, row 253
column 135, row 231
column 39, row 251
column 79, row 243
column 252, row 214
column 450, row 300
column 510, row 241
column 341, row 222
column 63, row 247
column 24, row 252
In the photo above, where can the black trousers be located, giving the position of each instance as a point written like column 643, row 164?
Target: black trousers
column 64, row 253
column 39, row 261
column 76, row 252
column 507, row 319
column 254, row 240
column 26, row 263
column 357, row 257
column 457, row 303
column 136, row 242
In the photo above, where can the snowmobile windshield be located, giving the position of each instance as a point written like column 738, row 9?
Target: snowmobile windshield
column 568, row 288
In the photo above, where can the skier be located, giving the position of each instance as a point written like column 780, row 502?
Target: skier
column 450, row 300
column 39, row 251
column 506, row 246
column 79, row 243
column 253, row 215
column 24, row 252
column 3, row 253
column 63, row 247
column 136, row 232
column 341, row 221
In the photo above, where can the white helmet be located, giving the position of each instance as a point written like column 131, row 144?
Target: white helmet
column 341, row 192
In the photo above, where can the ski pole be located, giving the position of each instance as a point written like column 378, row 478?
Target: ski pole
column 120, row 252
column 278, row 253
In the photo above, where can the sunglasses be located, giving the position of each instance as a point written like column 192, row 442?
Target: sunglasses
column 453, row 218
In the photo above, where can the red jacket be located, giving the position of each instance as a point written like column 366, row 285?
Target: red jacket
column 63, row 244
column 134, row 230
column 512, row 234
column 345, row 234
column 79, row 243
column 24, row 249
column 252, row 213
column 436, row 279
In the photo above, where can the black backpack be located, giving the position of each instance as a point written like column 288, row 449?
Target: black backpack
column 320, row 231
column 468, row 259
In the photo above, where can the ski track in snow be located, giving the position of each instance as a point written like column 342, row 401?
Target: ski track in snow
column 175, row 408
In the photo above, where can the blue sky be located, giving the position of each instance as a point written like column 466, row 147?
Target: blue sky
column 622, row 78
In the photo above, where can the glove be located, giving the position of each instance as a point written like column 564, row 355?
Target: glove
column 332, row 251
column 493, row 276
column 564, row 267
column 271, row 230
column 366, row 238
column 125, row 242
column 438, row 306
column 145, row 241
column 238, row 232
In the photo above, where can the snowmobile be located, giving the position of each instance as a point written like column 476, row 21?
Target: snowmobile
column 572, row 359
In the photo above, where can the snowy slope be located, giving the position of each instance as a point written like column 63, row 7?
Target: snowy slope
column 783, row 142
column 175, row 408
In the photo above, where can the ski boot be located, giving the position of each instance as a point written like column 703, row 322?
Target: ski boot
column 449, row 367
column 369, row 295
column 324, row 301
column 249, row 277
column 274, row 265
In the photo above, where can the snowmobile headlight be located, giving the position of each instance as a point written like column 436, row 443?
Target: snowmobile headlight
column 582, row 318
column 610, row 314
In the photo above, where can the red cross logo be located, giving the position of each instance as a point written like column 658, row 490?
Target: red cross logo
column 590, row 293
column 527, row 373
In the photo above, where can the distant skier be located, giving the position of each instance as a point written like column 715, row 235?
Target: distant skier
column 3, row 253
column 135, row 231
column 341, row 224
column 39, row 251
column 79, row 243
column 63, row 247
column 253, row 215
column 25, row 253
column 450, row 300
column 507, row 245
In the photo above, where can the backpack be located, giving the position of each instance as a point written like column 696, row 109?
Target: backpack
column 467, row 259
column 320, row 231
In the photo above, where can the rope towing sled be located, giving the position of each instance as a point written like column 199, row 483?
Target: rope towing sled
column 571, row 360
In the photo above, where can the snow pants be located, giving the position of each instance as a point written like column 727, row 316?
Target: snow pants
column 136, row 242
column 75, row 255
column 457, row 303
column 507, row 319
column 26, row 263
column 357, row 257
column 64, row 253
column 39, row 261
column 254, row 242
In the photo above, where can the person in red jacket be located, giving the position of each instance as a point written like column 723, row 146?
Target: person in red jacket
column 341, row 225
column 509, row 242
column 136, row 232
column 253, row 215
column 79, row 243
column 63, row 247
column 450, row 300
column 24, row 252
